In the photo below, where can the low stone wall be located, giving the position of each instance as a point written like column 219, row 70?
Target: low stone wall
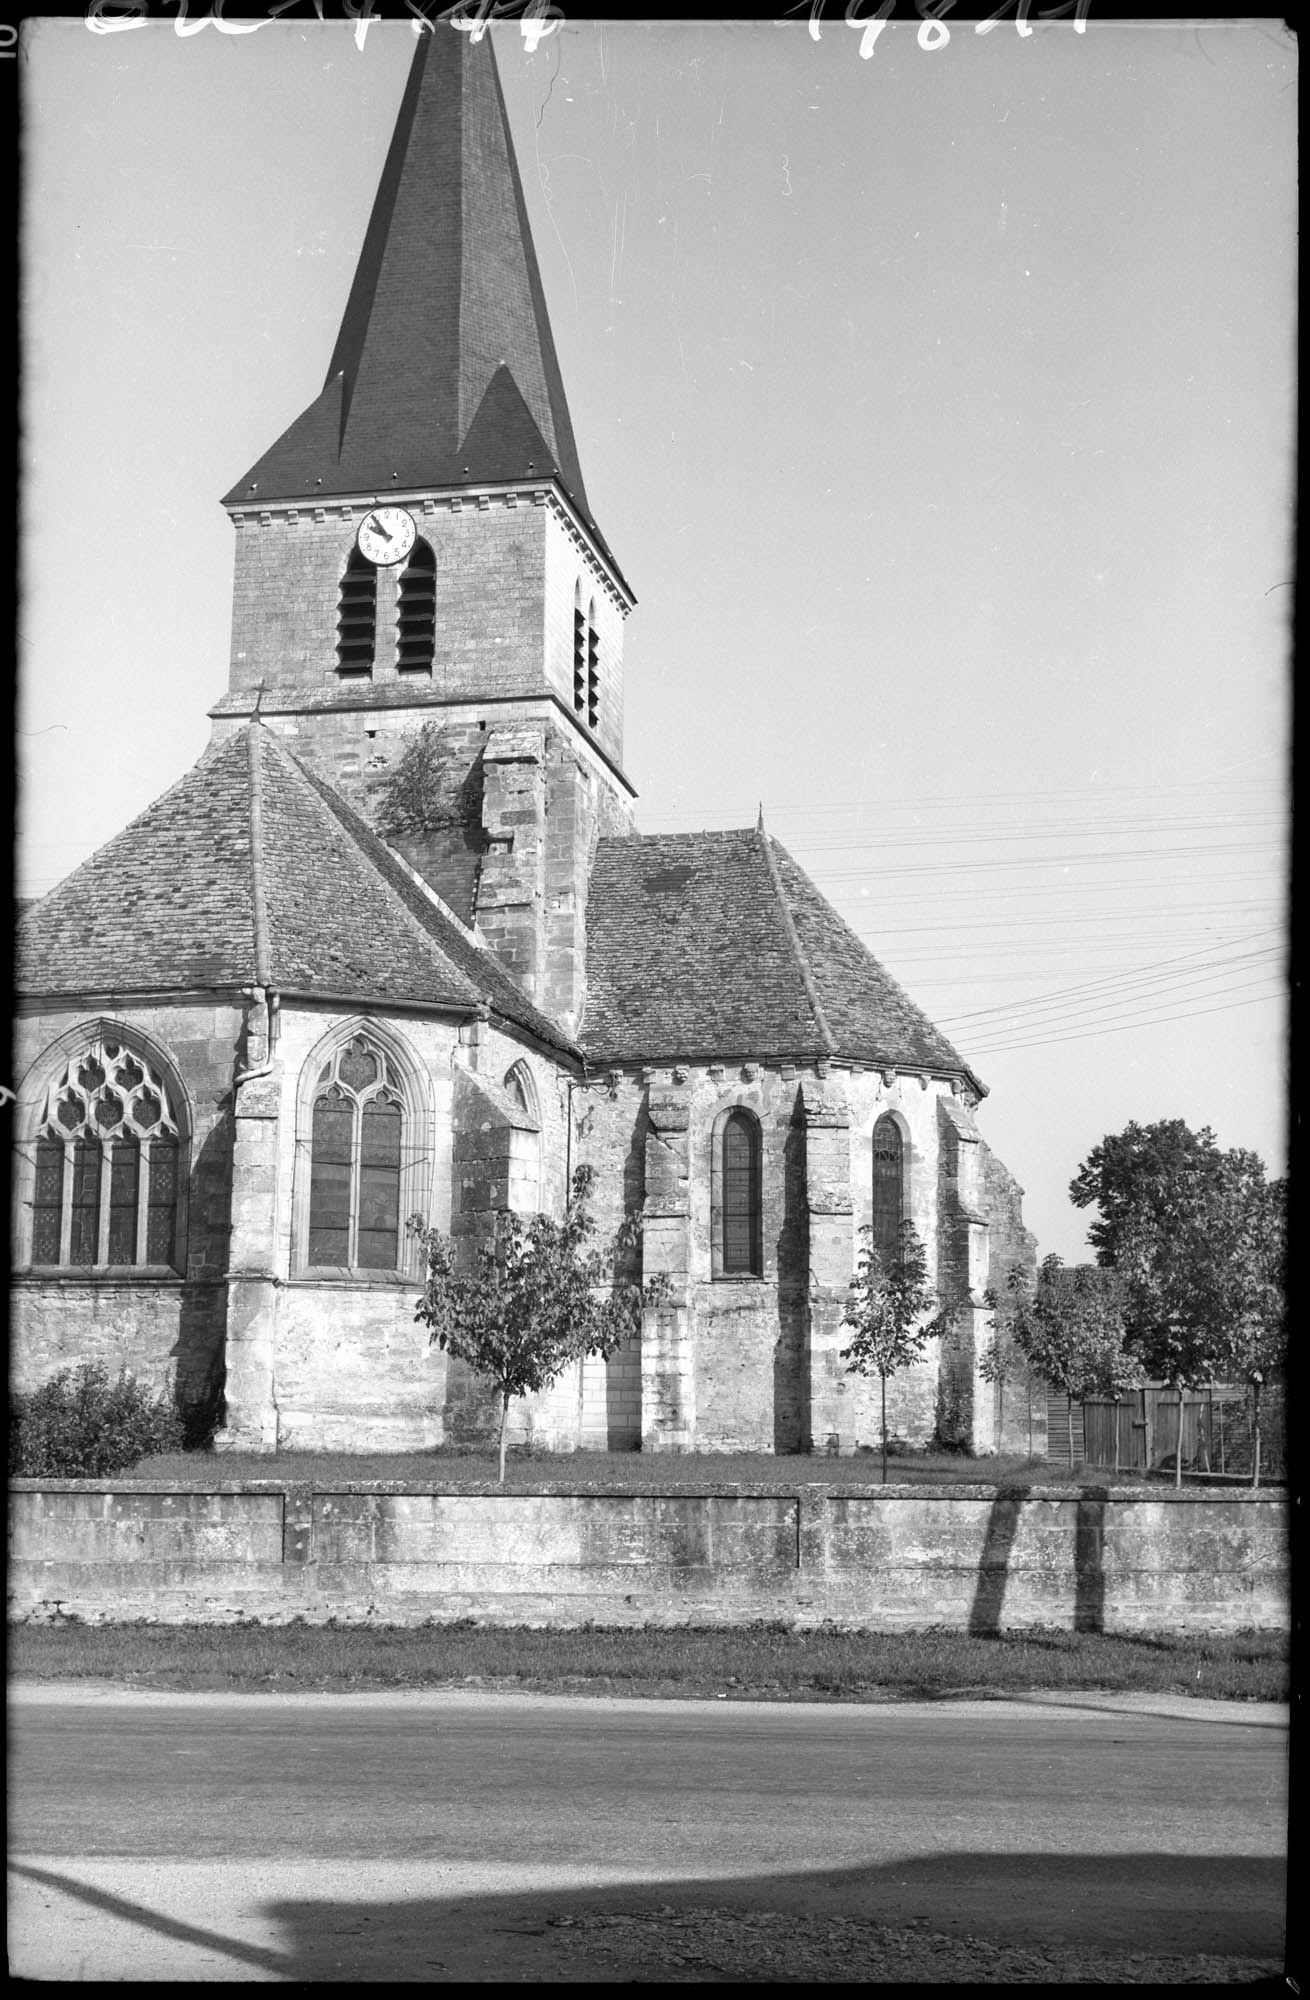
column 889, row 1558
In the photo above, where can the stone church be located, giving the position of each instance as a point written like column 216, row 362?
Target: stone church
column 395, row 945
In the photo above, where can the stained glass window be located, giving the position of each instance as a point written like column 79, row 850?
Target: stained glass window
column 888, row 1187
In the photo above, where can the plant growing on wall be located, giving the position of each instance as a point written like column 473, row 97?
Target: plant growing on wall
column 888, row 1300
column 538, row 1297
column 414, row 795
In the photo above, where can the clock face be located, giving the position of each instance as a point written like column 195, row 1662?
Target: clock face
column 386, row 535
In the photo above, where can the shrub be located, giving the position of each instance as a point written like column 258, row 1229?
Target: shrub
column 82, row 1425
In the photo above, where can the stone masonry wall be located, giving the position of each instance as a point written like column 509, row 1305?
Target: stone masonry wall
column 977, row 1558
column 490, row 593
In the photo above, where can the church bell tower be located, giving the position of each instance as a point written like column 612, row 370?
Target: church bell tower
column 424, row 607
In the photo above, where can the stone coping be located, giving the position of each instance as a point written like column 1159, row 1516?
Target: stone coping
column 649, row 1490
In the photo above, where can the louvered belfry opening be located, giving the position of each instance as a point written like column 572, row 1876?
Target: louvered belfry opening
column 357, row 616
column 416, row 612
column 579, row 652
column 593, row 668
column 888, row 1188
column 742, row 1230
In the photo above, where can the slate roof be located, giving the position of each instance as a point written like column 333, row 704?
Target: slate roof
column 444, row 372
column 170, row 903
column 717, row 945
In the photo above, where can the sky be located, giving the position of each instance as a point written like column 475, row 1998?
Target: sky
column 937, row 403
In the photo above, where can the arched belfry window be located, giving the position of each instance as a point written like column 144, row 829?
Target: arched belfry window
column 357, row 616
column 416, row 612
column 357, row 1147
column 888, row 1211
column 107, row 1170
column 736, row 1196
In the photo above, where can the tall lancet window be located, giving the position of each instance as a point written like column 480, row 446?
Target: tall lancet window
column 416, row 612
column 357, row 616
column 888, row 1187
column 355, row 1162
column 735, row 1196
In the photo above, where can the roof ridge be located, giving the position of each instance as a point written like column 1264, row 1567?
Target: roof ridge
column 807, row 977
column 258, row 899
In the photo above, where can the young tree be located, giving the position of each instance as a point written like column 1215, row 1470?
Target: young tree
column 1004, row 1360
column 536, row 1298
column 1069, row 1328
column 886, row 1307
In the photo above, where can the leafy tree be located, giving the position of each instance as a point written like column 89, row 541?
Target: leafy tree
column 1135, row 1168
column 886, row 1307
column 1197, row 1236
column 1068, row 1326
column 1203, row 1274
column 536, row 1298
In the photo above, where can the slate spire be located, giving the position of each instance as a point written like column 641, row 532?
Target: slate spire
column 444, row 372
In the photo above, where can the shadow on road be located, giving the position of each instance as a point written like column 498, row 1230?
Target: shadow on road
column 1094, row 1905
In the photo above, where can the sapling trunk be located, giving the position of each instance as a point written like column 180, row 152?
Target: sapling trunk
column 883, row 1380
column 504, row 1426
column 1069, row 1400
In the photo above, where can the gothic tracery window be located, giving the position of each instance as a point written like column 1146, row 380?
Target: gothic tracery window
column 356, row 1153
column 106, row 1185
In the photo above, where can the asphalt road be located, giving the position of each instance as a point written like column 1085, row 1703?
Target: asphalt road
column 446, row 1836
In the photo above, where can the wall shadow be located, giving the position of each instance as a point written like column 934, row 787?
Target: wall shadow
column 1087, row 1906
column 994, row 1562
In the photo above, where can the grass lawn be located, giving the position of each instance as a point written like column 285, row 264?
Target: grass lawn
column 758, row 1663
column 615, row 1471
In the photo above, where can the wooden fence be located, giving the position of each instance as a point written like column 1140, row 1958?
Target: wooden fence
column 1138, row 1430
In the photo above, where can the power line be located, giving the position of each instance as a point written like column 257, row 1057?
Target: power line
column 1116, row 1027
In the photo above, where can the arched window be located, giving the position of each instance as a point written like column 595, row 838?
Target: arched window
column 107, row 1177
column 522, row 1091
column 416, row 612
column 357, row 615
column 888, row 1187
column 736, row 1197
column 357, row 1147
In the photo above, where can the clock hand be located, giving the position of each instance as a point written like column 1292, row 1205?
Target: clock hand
column 378, row 528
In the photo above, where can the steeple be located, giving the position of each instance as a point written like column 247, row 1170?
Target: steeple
column 444, row 372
